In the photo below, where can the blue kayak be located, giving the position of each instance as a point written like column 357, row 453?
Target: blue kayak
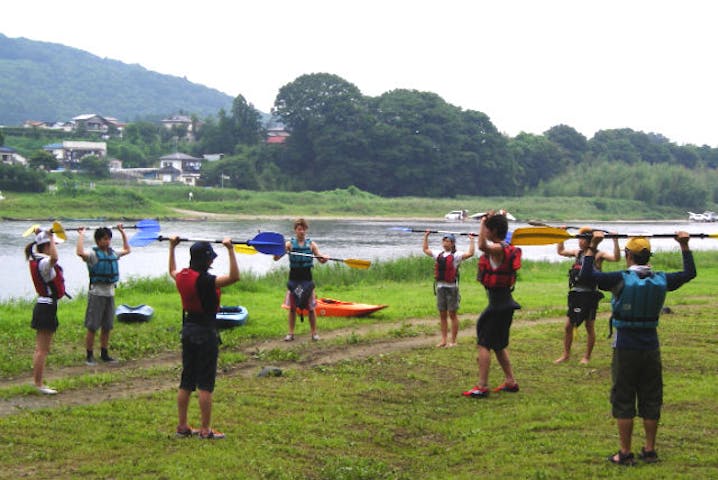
column 129, row 314
column 230, row 317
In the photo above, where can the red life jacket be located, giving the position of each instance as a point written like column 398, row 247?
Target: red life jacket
column 445, row 268
column 504, row 276
column 187, row 286
column 54, row 289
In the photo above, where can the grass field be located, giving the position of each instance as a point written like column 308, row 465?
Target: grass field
column 372, row 400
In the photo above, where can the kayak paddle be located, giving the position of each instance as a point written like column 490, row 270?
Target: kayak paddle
column 270, row 243
column 550, row 235
column 569, row 227
column 416, row 230
column 56, row 229
column 350, row 262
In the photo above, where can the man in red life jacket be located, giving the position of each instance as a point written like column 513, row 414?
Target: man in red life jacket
column 497, row 272
column 446, row 277
column 200, row 293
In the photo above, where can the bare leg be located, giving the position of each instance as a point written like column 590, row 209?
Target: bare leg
column 292, row 318
column 567, row 341
column 104, row 338
column 484, row 361
column 502, row 356
column 90, row 340
column 182, row 406
column 590, row 340
column 205, row 408
column 651, row 428
column 443, row 322
column 313, row 322
column 454, row 327
column 625, row 431
column 42, row 348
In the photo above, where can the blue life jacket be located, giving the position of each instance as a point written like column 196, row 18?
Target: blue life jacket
column 106, row 269
column 301, row 261
column 640, row 302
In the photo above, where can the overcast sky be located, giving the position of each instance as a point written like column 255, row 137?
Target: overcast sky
column 528, row 64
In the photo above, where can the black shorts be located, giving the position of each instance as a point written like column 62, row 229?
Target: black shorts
column 637, row 380
column 582, row 306
column 44, row 317
column 200, row 349
column 492, row 327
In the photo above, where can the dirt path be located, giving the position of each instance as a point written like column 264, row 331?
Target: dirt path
column 329, row 350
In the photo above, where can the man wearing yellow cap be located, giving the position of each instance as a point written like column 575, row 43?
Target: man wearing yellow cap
column 636, row 370
column 583, row 297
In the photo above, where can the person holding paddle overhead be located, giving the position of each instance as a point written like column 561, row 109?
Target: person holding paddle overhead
column 300, row 287
column 583, row 297
column 636, row 369
column 446, row 282
column 50, row 286
column 497, row 273
column 200, row 293
column 102, row 265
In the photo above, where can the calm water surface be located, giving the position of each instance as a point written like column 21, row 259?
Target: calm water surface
column 372, row 240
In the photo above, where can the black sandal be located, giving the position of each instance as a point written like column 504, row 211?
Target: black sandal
column 623, row 459
column 648, row 457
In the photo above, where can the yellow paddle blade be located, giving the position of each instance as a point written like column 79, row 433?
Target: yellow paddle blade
column 59, row 231
column 539, row 236
column 31, row 230
column 245, row 249
column 357, row 263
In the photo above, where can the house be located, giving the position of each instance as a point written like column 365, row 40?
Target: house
column 10, row 156
column 180, row 121
column 91, row 122
column 180, row 167
column 69, row 153
column 277, row 136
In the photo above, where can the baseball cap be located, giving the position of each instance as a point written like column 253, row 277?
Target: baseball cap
column 450, row 236
column 42, row 237
column 202, row 251
column 638, row 244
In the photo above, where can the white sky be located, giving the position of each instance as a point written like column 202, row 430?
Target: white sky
column 648, row 65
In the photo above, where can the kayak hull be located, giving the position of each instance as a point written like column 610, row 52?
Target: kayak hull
column 129, row 314
column 230, row 317
column 329, row 307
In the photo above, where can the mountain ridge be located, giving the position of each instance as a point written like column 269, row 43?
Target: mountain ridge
column 52, row 82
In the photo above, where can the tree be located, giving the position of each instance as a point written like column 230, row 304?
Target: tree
column 573, row 144
column 43, row 160
column 246, row 122
column 95, row 166
column 538, row 157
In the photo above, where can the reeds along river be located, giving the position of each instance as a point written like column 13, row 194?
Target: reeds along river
column 371, row 240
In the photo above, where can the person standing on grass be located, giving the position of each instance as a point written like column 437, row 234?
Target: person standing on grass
column 446, row 286
column 200, row 293
column 636, row 368
column 497, row 273
column 49, row 283
column 102, row 265
column 300, row 287
column 583, row 297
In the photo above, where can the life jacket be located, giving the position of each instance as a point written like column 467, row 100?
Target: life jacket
column 445, row 269
column 301, row 261
column 192, row 307
column 504, row 276
column 640, row 302
column 106, row 270
column 55, row 288
column 574, row 271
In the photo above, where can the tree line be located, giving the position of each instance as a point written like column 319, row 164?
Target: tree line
column 413, row 143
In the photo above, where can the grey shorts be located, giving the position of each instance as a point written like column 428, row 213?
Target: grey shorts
column 100, row 313
column 447, row 299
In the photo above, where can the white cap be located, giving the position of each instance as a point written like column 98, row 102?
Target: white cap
column 42, row 237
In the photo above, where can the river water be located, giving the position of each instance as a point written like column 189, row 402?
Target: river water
column 374, row 240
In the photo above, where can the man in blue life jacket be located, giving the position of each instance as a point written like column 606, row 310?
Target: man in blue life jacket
column 636, row 369
column 102, row 266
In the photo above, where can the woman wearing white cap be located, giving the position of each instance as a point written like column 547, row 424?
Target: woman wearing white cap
column 50, row 286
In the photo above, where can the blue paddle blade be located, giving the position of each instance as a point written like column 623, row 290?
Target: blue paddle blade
column 143, row 238
column 271, row 243
column 148, row 224
column 509, row 234
column 402, row 229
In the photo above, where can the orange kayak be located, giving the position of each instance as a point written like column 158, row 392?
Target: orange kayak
column 328, row 307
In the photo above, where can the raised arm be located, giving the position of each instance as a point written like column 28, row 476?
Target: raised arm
column 425, row 245
column 472, row 248
column 174, row 241
column 125, row 243
column 233, row 276
column 80, row 247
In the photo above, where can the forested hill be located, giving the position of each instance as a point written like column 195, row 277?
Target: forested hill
column 51, row 82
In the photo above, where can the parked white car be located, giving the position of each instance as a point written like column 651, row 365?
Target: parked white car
column 456, row 215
